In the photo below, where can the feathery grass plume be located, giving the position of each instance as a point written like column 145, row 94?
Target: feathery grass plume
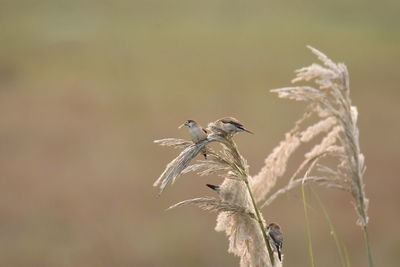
column 174, row 142
column 331, row 100
column 245, row 236
column 175, row 167
column 332, row 97
column 206, row 167
column 179, row 164
column 291, row 186
column 238, row 214
column 276, row 163
column 215, row 205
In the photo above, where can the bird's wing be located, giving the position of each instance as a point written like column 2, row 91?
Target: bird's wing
column 277, row 237
column 232, row 121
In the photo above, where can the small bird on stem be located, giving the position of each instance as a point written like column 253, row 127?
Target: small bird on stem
column 231, row 125
column 275, row 238
column 197, row 133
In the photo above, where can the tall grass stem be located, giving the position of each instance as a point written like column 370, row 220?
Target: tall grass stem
column 331, row 228
column 367, row 245
column 310, row 247
column 261, row 224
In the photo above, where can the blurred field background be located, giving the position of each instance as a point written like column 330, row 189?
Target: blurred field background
column 85, row 86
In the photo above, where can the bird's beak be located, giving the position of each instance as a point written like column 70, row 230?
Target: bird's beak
column 181, row 126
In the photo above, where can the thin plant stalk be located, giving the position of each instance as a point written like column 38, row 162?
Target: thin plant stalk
column 260, row 223
column 366, row 239
column 310, row 248
column 346, row 255
column 331, row 228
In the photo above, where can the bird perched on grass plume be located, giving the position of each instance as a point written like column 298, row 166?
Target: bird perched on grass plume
column 197, row 133
column 275, row 238
column 231, row 126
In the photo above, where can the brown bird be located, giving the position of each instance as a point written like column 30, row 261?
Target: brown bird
column 197, row 133
column 275, row 238
column 231, row 125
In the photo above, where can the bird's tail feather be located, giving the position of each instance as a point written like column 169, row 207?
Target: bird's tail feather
column 213, row 187
column 244, row 129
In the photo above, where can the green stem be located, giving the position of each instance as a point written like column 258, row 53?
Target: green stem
column 331, row 228
column 310, row 248
column 261, row 224
column 346, row 255
column 366, row 239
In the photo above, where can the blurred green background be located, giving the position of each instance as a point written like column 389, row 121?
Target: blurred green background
column 85, row 86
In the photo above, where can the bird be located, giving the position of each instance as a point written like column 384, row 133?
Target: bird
column 275, row 238
column 197, row 133
column 214, row 187
column 231, row 125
